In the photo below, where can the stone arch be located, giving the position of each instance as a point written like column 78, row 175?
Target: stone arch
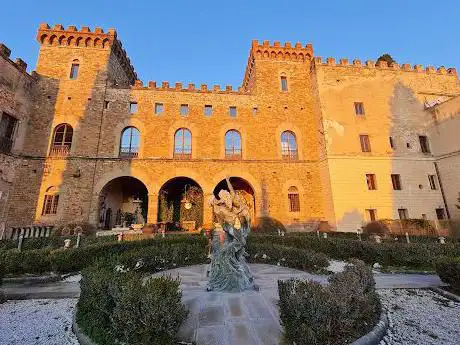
column 43, row 38
column 71, row 41
column 62, row 40
column 88, row 42
column 105, row 43
column 127, row 171
column 53, row 40
column 79, row 42
column 237, row 172
column 98, row 43
column 185, row 172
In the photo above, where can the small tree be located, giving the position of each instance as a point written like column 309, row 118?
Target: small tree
column 386, row 57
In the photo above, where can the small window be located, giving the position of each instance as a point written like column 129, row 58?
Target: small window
column 403, row 214
column 392, row 144
column 440, row 214
column 254, row 111
column 184, row 109
column 232, row 111
column 424, row 143
column 432, row 179
column 408, row 145
column 396, row 181
column 106, row 105
column 208, row 110
column 8, row 126
column 371, row 214
column 133, row 107
column 50, row 202
column 159, row 108
column 359, row 108
column 284, row 85
column 294, row 200
column 365, row 143
column 370, row 180
column 74, row 71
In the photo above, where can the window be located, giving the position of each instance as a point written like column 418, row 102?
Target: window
column 133, row 107
column 370, row 180
column 50, row 202
column 184, row 109
column 233, row 144
column 7, row 128
column 254, row 111
column 284, row 85
column 106, row 105
column 183, row 144
column 294, row 201
column 159, row 108
column 424, row 143
column 396, row 181
column 432, row 179
column 62, row 140
column 371, row 214
column 129, row 144
column 232, row 111
column 440, row 213
column 403, row 214
column 288, row 146
column 359, row 108
column 392, row 144
column 208, row 110
column 74, row 70
column 365, row 143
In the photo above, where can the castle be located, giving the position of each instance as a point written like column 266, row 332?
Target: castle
column 304, row 140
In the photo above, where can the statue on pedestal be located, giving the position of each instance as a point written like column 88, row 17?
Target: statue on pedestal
column 229, row 270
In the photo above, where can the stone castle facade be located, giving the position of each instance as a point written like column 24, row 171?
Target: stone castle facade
column 305, row 140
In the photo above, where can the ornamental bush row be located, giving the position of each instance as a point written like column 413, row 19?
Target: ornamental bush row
column 337, row 313
column 302, row 259
column 74, row 259
column 414, row 255
column 448, row 270
column 124, row 308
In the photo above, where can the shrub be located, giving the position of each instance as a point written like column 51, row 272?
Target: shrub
column 269, row 225
column 448, row 270
column 335, row 314
column 375, row 228
column 123, row 307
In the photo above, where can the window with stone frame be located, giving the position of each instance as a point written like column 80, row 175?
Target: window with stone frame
column 359, row 108
column 50, row 201
column 8, row 125
column 129, row 143
column 424, row 145
column 396, row 181
column 294, row 199
column 183, row 144
column 233, row 144
column 284, row 84
column 289, row 146
column 62, row 140
column 371, row 182
column 403, row 214
column 433, row 184
column 74, row 70
column 365, row 143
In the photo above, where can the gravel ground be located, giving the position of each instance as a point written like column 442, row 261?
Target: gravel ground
column 37, row 322
column 420, row 317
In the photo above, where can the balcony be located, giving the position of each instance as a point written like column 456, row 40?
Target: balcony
column 5, row 144
column 289, row 155
column 233, row 153
column 60, row 151
column 128, row 152
column 183, row 155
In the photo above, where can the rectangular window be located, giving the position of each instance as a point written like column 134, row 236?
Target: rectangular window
column 359, row 108
column 403, row 214
column 365, row 143
column 432, row 179
column 184, row 109
column 74, row 71
column 133, row 107
column 294, row 202
column 232, row 111
column 284, row 85
column 371, row 214
column 159, row 108
column 424, row 143
column 440, row 213
column 370, row 180
column 106, row 105
column 208, row 110
column 50, row 204
column 8, row 126
column 396, row 181
column 392, row 144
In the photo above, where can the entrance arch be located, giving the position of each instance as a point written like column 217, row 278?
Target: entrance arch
column 180, row 204
column 242, row 188
column 127, row 198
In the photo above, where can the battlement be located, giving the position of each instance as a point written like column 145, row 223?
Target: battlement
column 277, row 51
column 166, row 86
column 85, row 38
column 18, row 63
column 383, row 65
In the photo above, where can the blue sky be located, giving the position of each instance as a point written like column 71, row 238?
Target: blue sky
column 208, row 41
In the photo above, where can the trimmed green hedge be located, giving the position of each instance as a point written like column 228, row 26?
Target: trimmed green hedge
column 337, row 313
column 448, row 270
column 414, row 255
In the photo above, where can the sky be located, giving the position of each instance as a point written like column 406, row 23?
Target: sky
column 207, row 42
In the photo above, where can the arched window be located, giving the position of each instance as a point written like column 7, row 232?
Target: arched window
column 62, row 140
column 74, row 69
column 288, row 145
column 294, row 201
column 183, row 144
column 129, row 143
column 233, row 144
column 50, row 202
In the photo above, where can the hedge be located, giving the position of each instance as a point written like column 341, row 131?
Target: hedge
column 337, row 313
column 414, row 255
column 448, row 270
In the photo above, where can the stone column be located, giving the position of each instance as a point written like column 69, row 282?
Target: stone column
column 207, row 211
column 152, row 212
